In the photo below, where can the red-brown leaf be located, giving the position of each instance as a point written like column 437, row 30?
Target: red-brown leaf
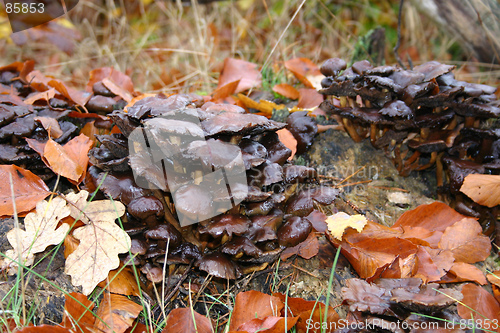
column 485, row 307
column 309, row 98
column 246, row 72
column 432, row 264
column 483, row 189
column 76, row 316
column 28, row 190
column 121, row 281
column 44, row 329
column 467, row 272
column 118, row 312
column 181, row 321
column 225, row 91
column 304, row 70
column 307, row 249
column 284, row 89
column 287, row 138
column 253, row 304
column 121, row 80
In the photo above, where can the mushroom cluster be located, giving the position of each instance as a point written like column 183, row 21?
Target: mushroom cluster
column 422, row 118
column 206, row 184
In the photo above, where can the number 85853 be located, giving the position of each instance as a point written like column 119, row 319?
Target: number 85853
column 24, row 8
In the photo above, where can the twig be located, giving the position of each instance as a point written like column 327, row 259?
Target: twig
column 398, row 43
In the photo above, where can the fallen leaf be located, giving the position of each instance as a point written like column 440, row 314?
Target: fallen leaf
column 432, row 264
column 269, row 324
column 90, row 131
column 44, row 329
column 186, row 320
column 266, row 107
column 69, row 161
column 309, row 98
column 494, row 279
column 78, row 314
column 28, row 190
column 121, row 281
column 467, row 272
column 118, row 78
column 253, row 304
column 246, row 72
column 44, row 95
column 339, row 222
column 318, row 220
column 286, row 137
column 479, row 306
column 225, row 91
column 286, row 90
column 116, row 314
column 117, row 90
column 306, row 71
column 483, row 189
column 307, row 249
column 51, row 125
column 40, row 232
column 465, row 239
column 100, row 236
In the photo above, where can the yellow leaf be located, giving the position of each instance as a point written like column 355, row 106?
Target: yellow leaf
column 263, row 106
column 483, row 189
column 338, row 223
column 101, row 240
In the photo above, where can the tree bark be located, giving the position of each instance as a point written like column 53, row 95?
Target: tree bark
column 474, row 23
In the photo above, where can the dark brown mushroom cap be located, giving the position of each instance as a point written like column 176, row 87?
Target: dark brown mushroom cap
column 115, row 143
column 294, row 231
column 434, row 120
column 165, row 232
column 153, row 273
column 255, row 194
column 301, row 204
column 121, row 187
column 360, row 67
column 381, row 70
column 162, row 128
column 15, row 155
column 428, row 146
column 147, row 208
column 265, row 174
column 100, row 89
column 397, row 108
column 158, row 105
column 341, row 88
column 277, row 152
column 241, row 124
column 458, row 170
column 383, row 83
column 298, row 173
column 138, row 246
column 376, row 96
column 21, row 127
column 215, row 154
column 405, row 78
column 229, row 224
column 258, row 208
column 263, row 227
column 427, row 300
column 303, row 128
column 253, row 148
column 126, row 124
column 194, row 202
column 211, row 109
column 417, row 90
column 219, row 265
column 100, row 104
column 6, row 114
column 239, row 246
column 182, row 254
column 443, row 98
column 474, row 89
column 433, row 69
column 104, row 159
column 475, row 110
column 133, row 228
column 331, row 67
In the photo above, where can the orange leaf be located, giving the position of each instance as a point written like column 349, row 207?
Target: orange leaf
column 253, row 304
column 286, row 137
column 117, row 90
column 284, row 89
column 118, row 78
column 121, row 281
column 51, row 125
column 225, row 91
column 118, row 312
column 485, row 307
column 269, row 324
column 432, row 265
column 246, row 72
column 307, row 249
column 309, row 98
column 305, row 70
column 90, row 131
column 76, row 96
column 28, row 190
column 75, row 313
column 181, row 321
column 44, row 95
column 466, row 241
column 467, row 272
column 483, row 189
column 44, row 329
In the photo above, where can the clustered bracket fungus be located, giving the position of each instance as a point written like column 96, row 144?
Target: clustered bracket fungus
column 422, row 118
column 187, row 142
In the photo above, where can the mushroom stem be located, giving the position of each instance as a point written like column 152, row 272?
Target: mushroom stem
column 373, row 134
column 324, row 128
column 424, row 133
column 453, row 123
column 348, row 125
column 431, row 162
column 439, row 170
column 469, row 121
column 343, row 101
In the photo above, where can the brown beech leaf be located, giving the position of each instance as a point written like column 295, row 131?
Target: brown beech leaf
column 28, row 190
column 494, row 279
column 307, row 249
column 90, row 131
column 121, row 281
column 467, row 272
column 73, row 95
column 253, row 304
column 101, row 236
column 339, row 222
column 115, row 76
column 51, row 125
column 309, row 98
column 433, row 217
column 69, row 161
column 40, row 231
column 269, row 324
column 465, row 239
column 246, row 72
column 483, row 189
column 44, row 329
column 181, row 321
column 225, row 91
column 266, row 107
column 116, row 314
column 44, row 96
column 484, row 306
column 286, row 137
column 117, row 90
column 432, row 264
column 284, row 89
column 305, row 70
column 78, row 314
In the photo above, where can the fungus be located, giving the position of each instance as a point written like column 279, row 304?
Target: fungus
column 165, row 232
column 148, row 209
column 219, row 265
column 333, row 66
column 303, row 128
column 294, row 231
column 240, row 246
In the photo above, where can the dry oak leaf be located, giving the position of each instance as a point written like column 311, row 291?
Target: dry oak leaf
column 339, row 222
column 28, row 190
column 101, row 240
column 186, row 320
column 466, row 241
column 41, row 231
column 116, row 314
column 483, row 189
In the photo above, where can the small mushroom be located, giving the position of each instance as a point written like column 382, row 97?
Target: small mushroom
column 219, row 265
column 153, row 273
column 166, row 233
column 100, row 104
column 121, row 187
column 301, row 204
column 294, row 231
column 226, row 224
column 333, row 66
column 299, row 174
column 240, row 246
column 303, row 128
column 148, row 209
column 277, row 152
column 193, row 202
column 242, row 124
